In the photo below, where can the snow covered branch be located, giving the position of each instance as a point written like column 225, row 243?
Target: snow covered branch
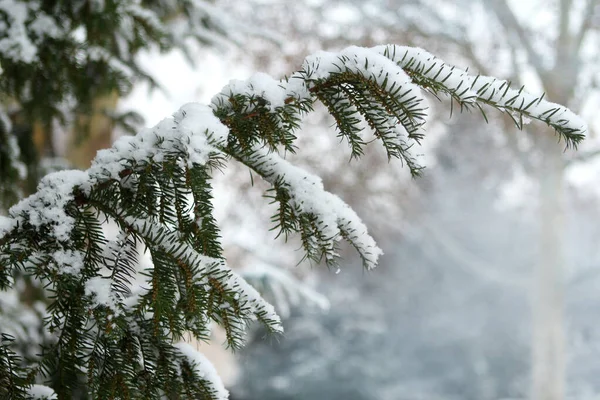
column 155, row 187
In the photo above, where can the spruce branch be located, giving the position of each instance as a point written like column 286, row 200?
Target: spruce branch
column 118, row 328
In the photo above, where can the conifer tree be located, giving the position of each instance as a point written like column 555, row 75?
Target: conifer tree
column 114, row 330
column 58, row 58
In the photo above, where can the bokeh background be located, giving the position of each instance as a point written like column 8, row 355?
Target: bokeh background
column 490, row 283
column 489, row 287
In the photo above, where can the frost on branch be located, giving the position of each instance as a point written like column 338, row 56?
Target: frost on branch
column 114, row 332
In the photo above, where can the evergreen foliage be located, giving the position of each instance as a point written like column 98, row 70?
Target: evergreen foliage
column 155, row 187
column 96, row 42
column 58, row 57
column 116, row 331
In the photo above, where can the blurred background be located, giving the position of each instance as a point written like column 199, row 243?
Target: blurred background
column 489, row 287
column 490, row 283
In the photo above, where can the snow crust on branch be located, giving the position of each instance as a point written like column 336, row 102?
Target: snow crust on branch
column 204, row 369
column 320, row 66
column 362, row 61
column 17, row 44
column 47, row 206
column 195, row 134
column 310, row 197
column 391, row 66
column 253, row 304
column 260, row 85
column 189, row 131
column 473, row 88
column 41, row 392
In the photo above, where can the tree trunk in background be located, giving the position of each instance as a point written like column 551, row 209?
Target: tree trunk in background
column 97, row 132
column 548, row 358
column 89, row 134
column 42, row 140
column 549, row 337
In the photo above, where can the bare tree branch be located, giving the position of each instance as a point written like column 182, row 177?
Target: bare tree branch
column 563, row 24
column 509, row 21
column 585, row 26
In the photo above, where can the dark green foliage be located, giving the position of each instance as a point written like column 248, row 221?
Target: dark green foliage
column 13, row 377
column 64, row 56
column 92, row 50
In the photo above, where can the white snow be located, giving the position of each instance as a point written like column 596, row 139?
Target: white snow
column 42, row 25
column 41, row 392
column 6, row 225
column 99, row 288
column 258, row 85
column 16, row 44
column 191, row 130
column 140, row 12
column 15, row 161
column 47, row 205
column 366, row 62
column 204, row 369
column 193, row 118
column 70, row 261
